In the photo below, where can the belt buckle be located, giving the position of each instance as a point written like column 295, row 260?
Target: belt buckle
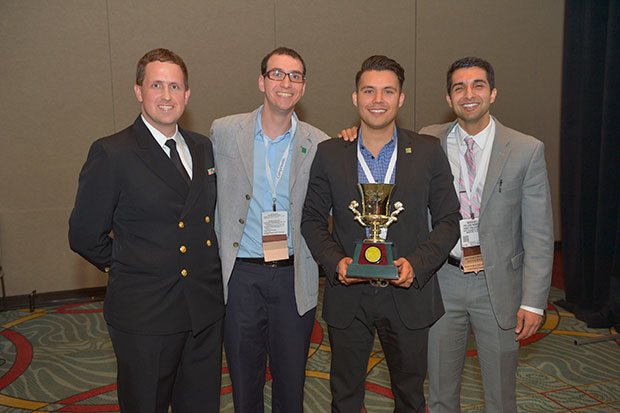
column 379, row 282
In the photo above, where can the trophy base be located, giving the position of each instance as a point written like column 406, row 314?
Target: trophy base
column 373, row 260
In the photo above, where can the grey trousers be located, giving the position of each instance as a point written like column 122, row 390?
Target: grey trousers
column 468, row 307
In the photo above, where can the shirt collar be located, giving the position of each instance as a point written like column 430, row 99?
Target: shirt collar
column 389, row 144
column 481, row 138
column 258, row 127
column 160, row 137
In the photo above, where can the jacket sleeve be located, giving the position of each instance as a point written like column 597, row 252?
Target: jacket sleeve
column 91, row 219
column 315, row 218
column 537, row 232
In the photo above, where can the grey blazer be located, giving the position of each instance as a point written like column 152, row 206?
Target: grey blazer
column 516, row 227
column 233, row 143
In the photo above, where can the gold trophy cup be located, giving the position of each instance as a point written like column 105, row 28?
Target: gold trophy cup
column 373, row 256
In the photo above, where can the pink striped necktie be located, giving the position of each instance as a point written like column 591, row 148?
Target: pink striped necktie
column 469, row 206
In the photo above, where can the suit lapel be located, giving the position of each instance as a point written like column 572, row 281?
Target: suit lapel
column 302, row 146
column 403, row 162
column 443, row 137
column 155, row 158
column 198, row 169
column 499, row 155
column 349, row 164
column 245, row 144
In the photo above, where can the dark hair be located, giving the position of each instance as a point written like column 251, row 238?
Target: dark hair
column 468, row 62
column 379, row 62
column 160, row 55
column 281, row 51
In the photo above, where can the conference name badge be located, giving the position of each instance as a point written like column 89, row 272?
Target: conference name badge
column 470, row 241
column 275, row 235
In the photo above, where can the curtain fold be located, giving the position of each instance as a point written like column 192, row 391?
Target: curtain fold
column 590, row 161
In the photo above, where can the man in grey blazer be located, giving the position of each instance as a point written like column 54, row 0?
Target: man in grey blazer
column 263, row 160
column 508, row 195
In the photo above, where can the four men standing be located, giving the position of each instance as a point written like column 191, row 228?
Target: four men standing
column 145, row 210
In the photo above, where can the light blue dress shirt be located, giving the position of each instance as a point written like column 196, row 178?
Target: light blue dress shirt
column 251, row 245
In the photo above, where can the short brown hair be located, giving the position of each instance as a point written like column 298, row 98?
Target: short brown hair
column 466, row 63
column 287, row 51
column 160, row 55
column 380, row 63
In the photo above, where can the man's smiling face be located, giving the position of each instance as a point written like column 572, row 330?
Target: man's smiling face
column 282, row 95
column 470, row 98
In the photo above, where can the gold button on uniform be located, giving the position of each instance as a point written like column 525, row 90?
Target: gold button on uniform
column 235, row 244
column 241, row 220
column 207, row 219
column 184, row 272
column 183, row 249
column 208, row 243
column 181, row 224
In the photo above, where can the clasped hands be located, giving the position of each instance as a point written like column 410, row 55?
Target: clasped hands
column 405, row 273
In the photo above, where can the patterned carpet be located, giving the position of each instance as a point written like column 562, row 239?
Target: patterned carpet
column 60, row 359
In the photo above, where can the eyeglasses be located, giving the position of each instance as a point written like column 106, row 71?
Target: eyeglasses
column 279, row 75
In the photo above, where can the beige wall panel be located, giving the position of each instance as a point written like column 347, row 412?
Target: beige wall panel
column 334, row 37
column 222, row 43
column 523, row 40
column 56, row 75
column 36, row 254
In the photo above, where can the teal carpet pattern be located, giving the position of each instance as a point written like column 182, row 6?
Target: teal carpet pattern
column 59, row 359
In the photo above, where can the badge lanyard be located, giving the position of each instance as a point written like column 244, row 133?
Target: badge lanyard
column 281, row 165
column 366, row 169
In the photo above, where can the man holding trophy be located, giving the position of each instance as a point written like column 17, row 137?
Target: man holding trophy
column 380, row 262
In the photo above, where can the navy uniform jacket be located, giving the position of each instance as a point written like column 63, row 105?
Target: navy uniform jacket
column 136, row 218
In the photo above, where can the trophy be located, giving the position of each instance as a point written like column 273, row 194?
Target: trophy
column 373, row 256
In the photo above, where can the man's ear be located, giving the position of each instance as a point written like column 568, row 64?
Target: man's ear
column 261, row 83
column 449, row 100
column 137, row 89
column 354, row 98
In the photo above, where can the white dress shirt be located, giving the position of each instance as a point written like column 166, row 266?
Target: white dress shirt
column 184, row 154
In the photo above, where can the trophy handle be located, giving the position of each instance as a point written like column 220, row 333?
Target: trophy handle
column 399, row 208
column 358, row 217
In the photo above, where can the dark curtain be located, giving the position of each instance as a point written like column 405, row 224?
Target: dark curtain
column 590, row 161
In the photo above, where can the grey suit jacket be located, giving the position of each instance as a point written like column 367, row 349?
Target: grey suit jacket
column 233, row 142
column 516, row 227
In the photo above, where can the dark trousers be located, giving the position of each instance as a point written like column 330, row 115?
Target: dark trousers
column 262, row 322
column 180, row 369
column 404, row 349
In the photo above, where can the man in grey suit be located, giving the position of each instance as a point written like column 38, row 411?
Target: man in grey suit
column 263, row 160
column 504, row 191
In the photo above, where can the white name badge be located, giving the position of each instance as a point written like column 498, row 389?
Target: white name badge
column 470, row 241
column 275, row 235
